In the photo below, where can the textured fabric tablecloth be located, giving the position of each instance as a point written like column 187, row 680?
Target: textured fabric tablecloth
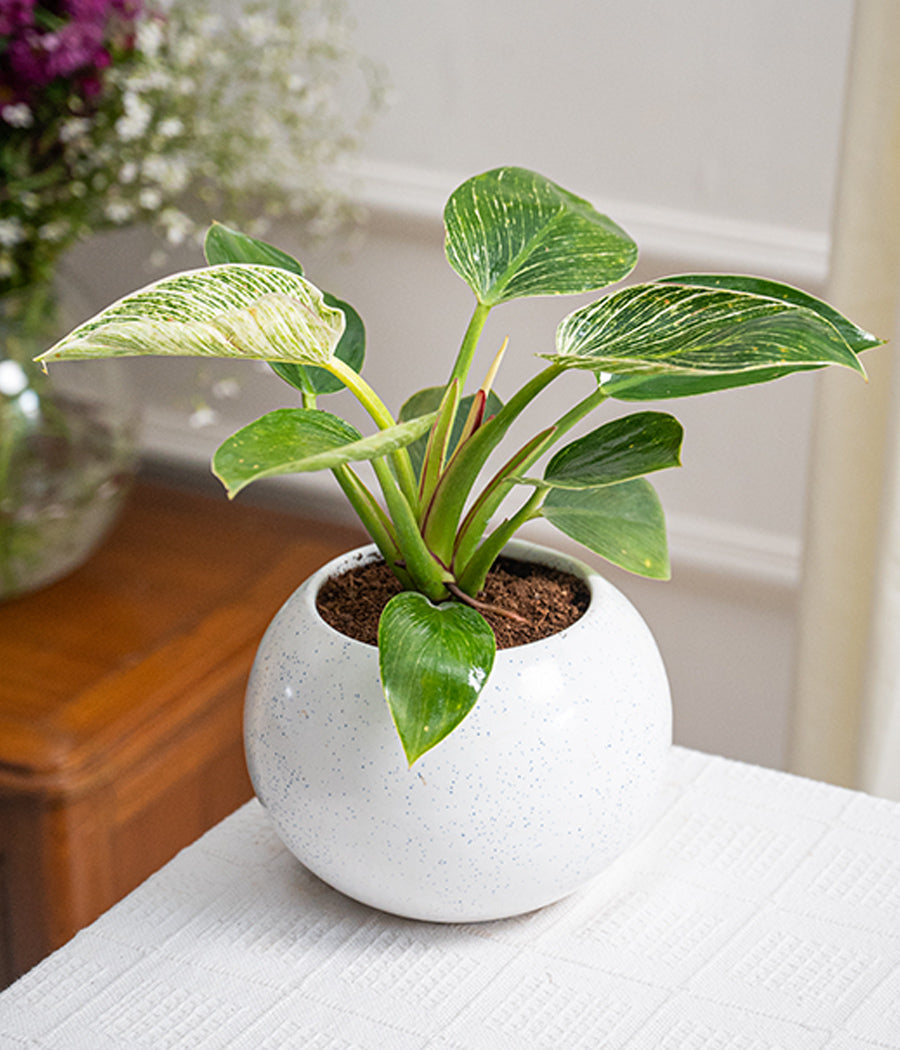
column 761, row 911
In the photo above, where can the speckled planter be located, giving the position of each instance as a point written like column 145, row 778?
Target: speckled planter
column 549, row 778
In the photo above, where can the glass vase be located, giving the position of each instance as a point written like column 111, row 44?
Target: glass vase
column 68, row 442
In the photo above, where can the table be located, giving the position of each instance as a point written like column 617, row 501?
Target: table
column 121, row 698
column 761, row 911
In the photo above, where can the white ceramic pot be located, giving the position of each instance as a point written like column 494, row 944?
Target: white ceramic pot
column 547, row 780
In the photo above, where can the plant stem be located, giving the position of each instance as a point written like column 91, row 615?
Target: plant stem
column 426, row 573
column 473, row 577
column 579, row 411
column 383, row 419
column 469, row 344
column 374, row 520
column 468, row 459
column 469, row 562
column 492, row 495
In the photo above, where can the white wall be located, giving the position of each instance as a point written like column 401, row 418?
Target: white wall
column 709, row 129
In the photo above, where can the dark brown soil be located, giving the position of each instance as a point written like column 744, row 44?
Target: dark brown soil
column 545, row 599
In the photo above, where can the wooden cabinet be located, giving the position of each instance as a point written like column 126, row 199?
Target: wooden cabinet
column 121, row 689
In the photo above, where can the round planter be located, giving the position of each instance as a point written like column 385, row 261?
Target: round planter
column 547, row 780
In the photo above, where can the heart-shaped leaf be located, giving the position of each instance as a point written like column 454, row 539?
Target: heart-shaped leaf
column 435, row 660
column 658, row 329
column 619, row 450
column 300, row 440
column 234, row 310
column 623, row 523
column 511, row 233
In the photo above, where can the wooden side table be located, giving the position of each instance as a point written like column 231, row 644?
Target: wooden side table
column 121, row 689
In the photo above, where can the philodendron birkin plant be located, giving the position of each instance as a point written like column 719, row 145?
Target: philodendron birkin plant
column 510, row 233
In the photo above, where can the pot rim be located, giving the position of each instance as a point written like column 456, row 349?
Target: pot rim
column 519, row 549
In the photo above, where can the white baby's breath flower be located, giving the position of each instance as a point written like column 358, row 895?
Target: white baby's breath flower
column 150, row 37
column 17, row 115
column 150, row 199
column 170, row 128
column 217, row 60
column 128, row 172
column 12, row 232
column 257, row 29
column 177, row 226
column 169, row 173
column 136, row 118
column 55, row 231
column 148, row 81
column 30, row 202
column 119, row 212
column 187, row 50
column 74, row 128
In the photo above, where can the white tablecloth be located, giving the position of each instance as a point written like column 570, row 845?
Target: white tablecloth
column 761, row 911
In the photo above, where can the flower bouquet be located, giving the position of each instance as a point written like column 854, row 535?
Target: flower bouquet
column 122, row 112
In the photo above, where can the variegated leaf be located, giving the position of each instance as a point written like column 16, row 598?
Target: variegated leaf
column 658, row 329
column 513, row 233
column 233, row 310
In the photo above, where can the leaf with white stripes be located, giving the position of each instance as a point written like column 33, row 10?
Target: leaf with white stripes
column 513, row 233
column 659, row 329
column 234, row 310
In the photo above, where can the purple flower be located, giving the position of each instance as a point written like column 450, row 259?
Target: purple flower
column 80, row 45
column 15, row 14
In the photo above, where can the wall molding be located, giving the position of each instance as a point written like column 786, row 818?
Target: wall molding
column 414, row 194
column 731, row 554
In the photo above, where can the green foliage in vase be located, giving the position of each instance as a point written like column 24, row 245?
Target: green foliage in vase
column 510, row 233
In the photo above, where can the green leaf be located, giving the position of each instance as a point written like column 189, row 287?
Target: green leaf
column 618, row 451
column 435, row 660
column 623, row 523
column 437, row 443
column 234, row 310
column 662, row 387
column 224, row 245
column 666, row 329
column 429, row 400
column 300, row 440
column 655, row 388
column 513, row 233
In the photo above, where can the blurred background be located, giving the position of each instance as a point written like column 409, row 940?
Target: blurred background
column 716, row 134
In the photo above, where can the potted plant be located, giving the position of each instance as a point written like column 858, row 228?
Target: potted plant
column 552, row 773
